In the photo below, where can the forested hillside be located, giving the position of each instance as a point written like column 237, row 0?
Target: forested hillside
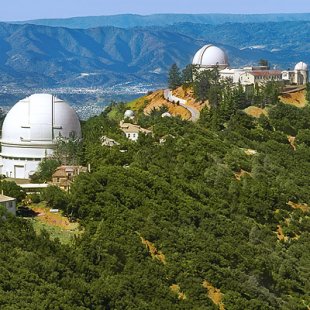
column 213, row 216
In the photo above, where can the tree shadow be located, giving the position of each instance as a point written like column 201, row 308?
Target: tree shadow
column 26, row 212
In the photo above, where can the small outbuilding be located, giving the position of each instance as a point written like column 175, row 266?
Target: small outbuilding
column 9, row 203
column 64, row 175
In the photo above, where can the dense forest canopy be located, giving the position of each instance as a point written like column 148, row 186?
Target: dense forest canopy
column 215, row 202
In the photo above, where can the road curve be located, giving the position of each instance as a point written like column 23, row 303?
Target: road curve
column 195, row 114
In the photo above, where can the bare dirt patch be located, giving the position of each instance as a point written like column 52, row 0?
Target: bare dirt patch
column 53, row 219
column 302, row 206
column 280, row 234
column 57, row 225
column 214, row 294
column 250, row 152
column 188, row 95
column 153, row 251
column 175, row 288
column 292, row 141
column 255, row 111
column 297, row 99
column 240, row 174
column 156, row 100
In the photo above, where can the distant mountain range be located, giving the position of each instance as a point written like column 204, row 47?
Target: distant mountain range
column 133, row 20
column 42, row 56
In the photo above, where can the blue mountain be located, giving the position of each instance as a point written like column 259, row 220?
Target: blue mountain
column 42, row 56
column 134, row 20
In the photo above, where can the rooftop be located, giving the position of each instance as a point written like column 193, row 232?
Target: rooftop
column 4, row 198
column 133, row 128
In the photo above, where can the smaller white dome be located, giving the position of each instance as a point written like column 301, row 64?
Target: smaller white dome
column 129, row 114
column 301, row 66
column 210, row 56
column 166, row 114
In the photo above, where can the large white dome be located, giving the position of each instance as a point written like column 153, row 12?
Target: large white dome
column 30, row 131
column 210, row 56
column 301, row 66
column 40, row 118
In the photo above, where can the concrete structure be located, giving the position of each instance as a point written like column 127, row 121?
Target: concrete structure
column 132, row 131
column 9, row 203
column 64, row 175
column 31, row 129
column 210, row 57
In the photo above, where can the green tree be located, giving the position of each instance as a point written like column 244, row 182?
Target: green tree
column 55, row 197
column 187, row 75
column 12, row 189
column 264, row 63
column 68, row 150
column 45, row 170
column 308, row 92
column 174, row 77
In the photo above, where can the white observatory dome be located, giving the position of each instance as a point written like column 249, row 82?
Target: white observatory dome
column 129, row 114
column 301, row 66
column 166, row 114
column 30, row 130
column 210, row 56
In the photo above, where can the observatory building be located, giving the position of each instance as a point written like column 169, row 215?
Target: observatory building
column 31, row 129
column 210, row 56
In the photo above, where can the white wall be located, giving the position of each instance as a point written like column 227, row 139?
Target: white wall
column 10, row 206
column 18, row 168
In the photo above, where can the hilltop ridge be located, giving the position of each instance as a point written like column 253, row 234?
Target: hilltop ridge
column 135, row 20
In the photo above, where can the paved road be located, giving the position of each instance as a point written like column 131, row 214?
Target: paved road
column 194, row 112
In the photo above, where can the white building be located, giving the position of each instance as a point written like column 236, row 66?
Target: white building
column 9, row 203
column 30, row 131
column 298, row 76
column 210, row 56
column 260, row 77
column 132, row 131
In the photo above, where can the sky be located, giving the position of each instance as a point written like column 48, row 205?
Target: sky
column 17, row 10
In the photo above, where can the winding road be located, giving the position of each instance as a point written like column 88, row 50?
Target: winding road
column 195, row 114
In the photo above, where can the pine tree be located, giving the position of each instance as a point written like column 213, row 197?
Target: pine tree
column 174, row 78
column 187, row 75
